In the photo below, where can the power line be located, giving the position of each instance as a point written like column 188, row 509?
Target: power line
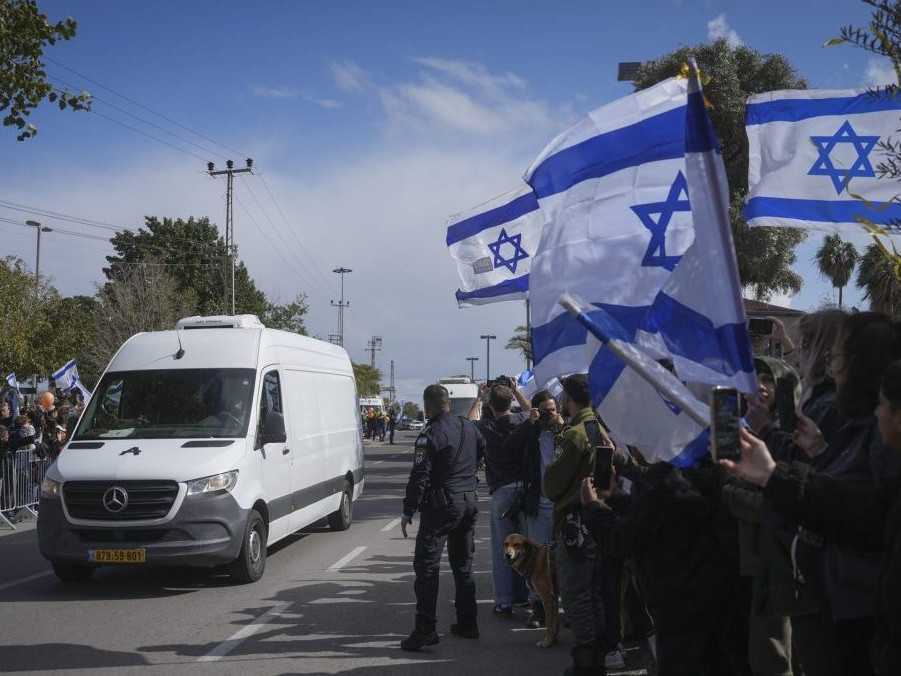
column 150, row 136
column 278, row 232
column 275, row 247
column 141, row 119
column 278, row 206
column 143, row 107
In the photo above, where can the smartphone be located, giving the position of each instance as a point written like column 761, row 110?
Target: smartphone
column 603, row 467
column 724, row 423
column 760, row 326
column 785, row 402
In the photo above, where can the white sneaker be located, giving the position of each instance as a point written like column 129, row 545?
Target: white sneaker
column 615, row 659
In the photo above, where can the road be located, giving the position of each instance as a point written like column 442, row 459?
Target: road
column 329, row 603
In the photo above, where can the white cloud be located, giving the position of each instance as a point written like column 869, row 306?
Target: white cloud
column 349, row 77
column 465, row 97
column 718, row 29
column 880, row 73
column 294, row 93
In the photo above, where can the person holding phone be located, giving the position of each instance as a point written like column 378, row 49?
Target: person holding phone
column 846, row 503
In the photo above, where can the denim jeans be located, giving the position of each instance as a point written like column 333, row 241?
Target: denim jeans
column 509, row 587
column 540, row 529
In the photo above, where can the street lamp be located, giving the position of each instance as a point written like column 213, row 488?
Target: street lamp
column 488, row 338
column 472, row 367
column 37, row 263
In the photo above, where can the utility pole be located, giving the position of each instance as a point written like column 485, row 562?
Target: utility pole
column 488, row 338
column 391, row 390
column 230, row 246
column 373, row 346
column 529, row 333
column 472, row 367
column 341, row 304
column 38, row 228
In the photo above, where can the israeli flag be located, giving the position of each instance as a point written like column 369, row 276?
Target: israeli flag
column 694, row 327
column 12, row 382
column 614, row 197
column 813, row 156
column 67, row 380
column 493, row 245
column 525, row 381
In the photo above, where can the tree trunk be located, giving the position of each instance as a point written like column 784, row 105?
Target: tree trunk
column 840, row 289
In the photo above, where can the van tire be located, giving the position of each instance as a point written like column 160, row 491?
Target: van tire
column 251, row 562
column 72, row 572
column 342, row 519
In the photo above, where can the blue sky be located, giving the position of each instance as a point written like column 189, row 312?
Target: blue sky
column 371, row 125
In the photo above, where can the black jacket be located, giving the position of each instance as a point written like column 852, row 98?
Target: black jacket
column 861, row 514
column 503, row 461
column 446, row 458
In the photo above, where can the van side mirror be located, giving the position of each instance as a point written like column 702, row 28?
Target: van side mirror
column 273, row 429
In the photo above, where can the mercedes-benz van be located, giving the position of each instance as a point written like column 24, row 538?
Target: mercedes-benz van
column 200, row 447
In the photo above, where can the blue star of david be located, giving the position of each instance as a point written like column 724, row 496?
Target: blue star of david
column 656, row 256
column 519, row 253
column 861, row 167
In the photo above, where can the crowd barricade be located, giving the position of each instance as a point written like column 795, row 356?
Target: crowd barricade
column 21, row 474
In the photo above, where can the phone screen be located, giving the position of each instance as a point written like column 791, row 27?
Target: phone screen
column 724, row 423
column 760, row 326
column 603, row 467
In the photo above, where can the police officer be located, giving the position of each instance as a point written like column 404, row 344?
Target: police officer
column 442, row 487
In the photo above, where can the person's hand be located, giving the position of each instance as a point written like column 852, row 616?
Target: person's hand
column 404, row 522
column 534, row 416
column 808, row 437
column 756, row 464
column 759, row 416
column 589, row 493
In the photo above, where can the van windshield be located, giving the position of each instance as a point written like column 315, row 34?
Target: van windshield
column 178, row 403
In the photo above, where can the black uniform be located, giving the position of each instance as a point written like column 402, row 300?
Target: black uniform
column 442, row 487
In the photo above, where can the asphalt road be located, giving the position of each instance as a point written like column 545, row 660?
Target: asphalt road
column 329, row 603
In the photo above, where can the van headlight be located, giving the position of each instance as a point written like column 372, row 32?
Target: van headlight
column 211, row 484
column 50, row 489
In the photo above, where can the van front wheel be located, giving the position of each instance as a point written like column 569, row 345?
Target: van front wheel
column 251, row 562
column 342, row 519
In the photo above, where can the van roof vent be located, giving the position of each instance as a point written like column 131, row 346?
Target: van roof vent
column 220, row 322
column 455, row 380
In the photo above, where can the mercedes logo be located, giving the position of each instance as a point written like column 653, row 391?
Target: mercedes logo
column 115, row 499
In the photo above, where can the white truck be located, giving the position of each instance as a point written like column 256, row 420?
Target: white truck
column 462, row 391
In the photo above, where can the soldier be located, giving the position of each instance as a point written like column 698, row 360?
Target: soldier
column 442, row 487
column 578, row 559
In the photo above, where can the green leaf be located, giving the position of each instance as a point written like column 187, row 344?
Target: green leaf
column 832, row 42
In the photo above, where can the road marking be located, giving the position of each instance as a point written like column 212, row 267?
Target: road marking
column 236, row 639
column 376, row 462
column 23, row 580
column 343, row 561
column 391, row 525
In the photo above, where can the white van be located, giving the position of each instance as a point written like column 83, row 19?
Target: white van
column 462, row 392
column 203, row 445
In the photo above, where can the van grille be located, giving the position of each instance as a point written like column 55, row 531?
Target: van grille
column 146, row 499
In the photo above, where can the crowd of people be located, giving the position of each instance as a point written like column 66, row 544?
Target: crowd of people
column 785, row 562
column 31, row 437
column 378, row 424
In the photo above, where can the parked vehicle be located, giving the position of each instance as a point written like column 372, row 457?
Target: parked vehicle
column 203, row 445
column 462, row 392
column 417, row 425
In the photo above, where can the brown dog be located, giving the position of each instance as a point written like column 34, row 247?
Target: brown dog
column 533, row 562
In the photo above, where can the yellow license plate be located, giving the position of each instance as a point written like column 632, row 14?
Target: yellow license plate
column 118, row 555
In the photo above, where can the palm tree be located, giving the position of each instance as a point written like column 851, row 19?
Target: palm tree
column 521, row 341
column 877, row 275
column 836, row 260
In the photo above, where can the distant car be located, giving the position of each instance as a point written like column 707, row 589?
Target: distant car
column 416, row 425
column 403, row 425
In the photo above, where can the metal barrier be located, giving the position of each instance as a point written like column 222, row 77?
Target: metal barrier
column 21, row 474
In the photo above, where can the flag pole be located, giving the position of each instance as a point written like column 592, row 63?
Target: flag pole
column 650, row 371
column 528, row 333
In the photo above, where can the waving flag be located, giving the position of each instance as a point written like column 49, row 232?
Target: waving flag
column 813, row 156
column 493, row 245
column 12, row 382
column 67, row 380
column 696, row 328
column 614, row 196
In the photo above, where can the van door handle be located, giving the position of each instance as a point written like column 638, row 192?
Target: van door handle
column 285, row 451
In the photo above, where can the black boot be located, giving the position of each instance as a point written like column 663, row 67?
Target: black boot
column 419, row 640
column 465, row 630
column 585, row 661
